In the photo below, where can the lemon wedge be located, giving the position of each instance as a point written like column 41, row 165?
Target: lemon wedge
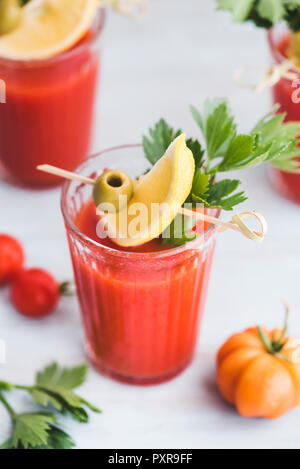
column 157, row 197
column 48, row 28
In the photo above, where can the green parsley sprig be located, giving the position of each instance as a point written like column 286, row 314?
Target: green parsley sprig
column 53, row 389
column 271, row 140
column 264, row 13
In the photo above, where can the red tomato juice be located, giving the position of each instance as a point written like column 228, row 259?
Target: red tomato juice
column 141, row 307
column 288, row 96
column 48, row 113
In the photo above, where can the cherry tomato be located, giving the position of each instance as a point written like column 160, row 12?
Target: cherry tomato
column 34, row 293
column 11, row 258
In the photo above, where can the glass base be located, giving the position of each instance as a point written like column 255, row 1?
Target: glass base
column 135, row 380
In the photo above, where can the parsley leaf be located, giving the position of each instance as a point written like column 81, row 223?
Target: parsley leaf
column 55, row 386
column 30, row 430
column 271, row 140
column 219, row 193
column 292, row 16
column 161, row 136
column 68, row 378
column 5, row 386
column 198, row 152
column 238, row 152
column 271, row 10
column 264, row 13
column 240, row 9
column 200, row 184
column 278, row 140
column 217, row 126
column 56, row 439
column 40, row 430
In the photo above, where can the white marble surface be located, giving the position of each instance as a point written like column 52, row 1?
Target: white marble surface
column 182, row 52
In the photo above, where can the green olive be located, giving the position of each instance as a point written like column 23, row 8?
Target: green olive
column 109, row 187
column 10, row 15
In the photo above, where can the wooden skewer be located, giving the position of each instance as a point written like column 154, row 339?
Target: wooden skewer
column 47, row 168
column 271, row 76
column 236, row 223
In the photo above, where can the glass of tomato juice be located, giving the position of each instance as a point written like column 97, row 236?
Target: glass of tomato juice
column 285, row 92
column 141, row 307
column 47, row 115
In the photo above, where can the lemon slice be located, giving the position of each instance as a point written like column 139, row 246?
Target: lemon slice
column 157, row 197
column 47, row 28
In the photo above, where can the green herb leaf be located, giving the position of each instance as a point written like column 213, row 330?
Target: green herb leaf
column 91, row 406
column 31, row 429
column 237, row 155
column 180, row 231
column 54, row 386
column 45, row 399
column 277, row 140
column 289, row 166
column 271, row 140
column 200, row 184
column 264, row 13
column 217, row 126
column 218, row 195
column 67, row 378
column 272, row 10
column 56, row 439
column 7, row 444
column 239, row 8
column 292, row 15
column 161, row 136
column 197, row 150
column 5, row 386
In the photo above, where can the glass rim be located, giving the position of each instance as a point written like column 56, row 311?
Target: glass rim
column 277, row 55
column 190, row 245
column 96, row 30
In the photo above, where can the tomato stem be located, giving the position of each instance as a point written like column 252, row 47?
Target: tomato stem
column 265, row 340
column 65, row 289
column 273, row 346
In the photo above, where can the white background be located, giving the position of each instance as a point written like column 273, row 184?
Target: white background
column 183, row 52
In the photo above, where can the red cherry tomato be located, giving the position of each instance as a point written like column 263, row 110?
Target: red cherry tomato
column 34, row 293
column 11, row 258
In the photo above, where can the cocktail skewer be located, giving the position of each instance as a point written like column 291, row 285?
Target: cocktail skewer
column 236, row 223
column 47, row 168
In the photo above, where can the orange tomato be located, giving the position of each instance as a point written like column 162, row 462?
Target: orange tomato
column 259, row 372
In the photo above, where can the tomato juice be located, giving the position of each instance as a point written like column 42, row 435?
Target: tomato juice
column 141, row 307
column 286, row 93
column 48, row 113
